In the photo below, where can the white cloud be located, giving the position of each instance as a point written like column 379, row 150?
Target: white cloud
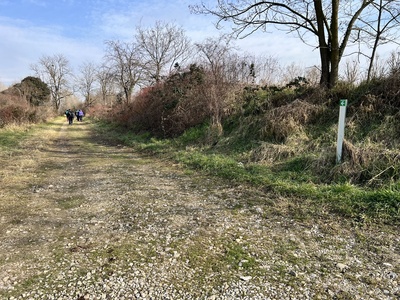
column 23, row 45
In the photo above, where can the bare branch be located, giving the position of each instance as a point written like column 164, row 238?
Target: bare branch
column 162, row 46
column 55, row 72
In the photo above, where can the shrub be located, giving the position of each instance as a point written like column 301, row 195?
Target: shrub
column 171, row 107
column 19, row 114
column 34, row 90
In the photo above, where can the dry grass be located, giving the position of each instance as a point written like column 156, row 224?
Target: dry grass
column 287, row 120
column 377, row 164
column 269, row 153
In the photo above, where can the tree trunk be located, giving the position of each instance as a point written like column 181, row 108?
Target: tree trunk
column 335, row 50
column 376, row 42
column 324, row 50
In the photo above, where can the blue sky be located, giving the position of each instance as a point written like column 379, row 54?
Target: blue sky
column 78, row 29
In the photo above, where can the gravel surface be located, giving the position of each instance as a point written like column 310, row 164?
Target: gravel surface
column 84, row 219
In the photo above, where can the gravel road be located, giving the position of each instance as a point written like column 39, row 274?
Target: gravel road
column 82, row 218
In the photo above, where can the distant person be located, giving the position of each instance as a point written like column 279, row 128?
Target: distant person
column 70, row 116
column 80, row 115
column 67, row 114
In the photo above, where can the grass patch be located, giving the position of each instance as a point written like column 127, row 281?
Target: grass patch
column 237, row 256
column 10, row 137
column 69, row 202
column 214, row 164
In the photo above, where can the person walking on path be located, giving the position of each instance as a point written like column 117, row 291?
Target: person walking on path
column 70, row 116
column 67, row 113
column 80, row 115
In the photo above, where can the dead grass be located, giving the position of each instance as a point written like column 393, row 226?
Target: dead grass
column 377, row 164
column 269, row 153
column 288, row 120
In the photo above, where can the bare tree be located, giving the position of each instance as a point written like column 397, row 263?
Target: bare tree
column 242, row 69
column 325, row 21
column 267, row 70
column 377, row 28
column 291, row 72
column 215, row 55
column 313, row 74
column 87, row 81
column 54, row 71
column 381, row 67
column 106, row 82
column 392, row 65
column 162, row 46
column 126, row 64
column 351, row 71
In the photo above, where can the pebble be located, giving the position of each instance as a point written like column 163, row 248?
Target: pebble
column 246, row 278
column 342, row 267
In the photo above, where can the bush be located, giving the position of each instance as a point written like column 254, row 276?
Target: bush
column 35, row 91
column 168, row 109
column 172, row 107
column 13, row 114
column 22, row 114
column 24, row 103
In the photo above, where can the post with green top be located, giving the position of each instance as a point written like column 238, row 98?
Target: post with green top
column 340, row 137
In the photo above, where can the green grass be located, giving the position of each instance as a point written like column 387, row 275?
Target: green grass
column 11, row 137
column 193, row 135
column 238, row 257
column 69, row 202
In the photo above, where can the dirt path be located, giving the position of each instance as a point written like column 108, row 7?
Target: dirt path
column 81, row 219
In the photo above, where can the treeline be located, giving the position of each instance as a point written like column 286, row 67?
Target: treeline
column 156, row 56
column 152, row 56
column 163, row 83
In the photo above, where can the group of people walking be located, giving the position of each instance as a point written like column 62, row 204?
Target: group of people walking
column 70, row 114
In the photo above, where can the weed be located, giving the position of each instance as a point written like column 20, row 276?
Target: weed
column 193, row 135
column 237, row 256
column 69, row 202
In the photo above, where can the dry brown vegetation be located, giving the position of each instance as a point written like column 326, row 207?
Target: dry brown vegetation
column 15, row 109
column 288, row 120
